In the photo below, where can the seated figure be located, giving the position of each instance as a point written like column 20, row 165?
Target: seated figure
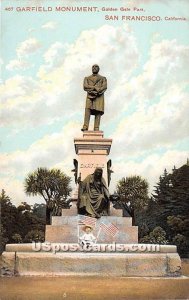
column 87, row 239
column 93, row 195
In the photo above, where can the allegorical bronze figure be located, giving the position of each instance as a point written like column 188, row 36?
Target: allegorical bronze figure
column 95, row 85
column 93, row 195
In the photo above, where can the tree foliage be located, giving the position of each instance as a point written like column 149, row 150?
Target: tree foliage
column 169, row 207
column 157, row 236
column 34, row 235
column 3, row 238
column 133, row 194
column 17, row 238
column 8, row 215
column 16, row 222
column 53, row 185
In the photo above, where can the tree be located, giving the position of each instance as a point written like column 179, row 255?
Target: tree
column 3, row 238
column 39, row 210
column 133, row 194
column 169, row 207
column 53, row 185
column 157, row 236
column 178, row 228
column 34, row 235
column 27, row 220
column 172, row 192
column 17, row 238
column 16, row 222
column 8, row 215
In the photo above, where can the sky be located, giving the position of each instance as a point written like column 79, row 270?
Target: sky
column 46, row 55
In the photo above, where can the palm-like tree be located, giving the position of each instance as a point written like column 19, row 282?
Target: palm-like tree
column 53, row 185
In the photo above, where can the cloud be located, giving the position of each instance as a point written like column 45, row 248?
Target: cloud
column 85, row 51
column 31, row 30
column 15, row 191
column 150, row 128
column 28, row 47
column 17, row 64
column 168, row 60
column 142, row 109
column 52, row 150
column 59, row 85
column 157, row 106
column 158, row 98
column 54, row 56
column 16, row 88
column 49, row 25
column 150, row 167
column 1, row 64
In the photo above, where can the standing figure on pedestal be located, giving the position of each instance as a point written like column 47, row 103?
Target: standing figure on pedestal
column 95, row 85
column 93, row 195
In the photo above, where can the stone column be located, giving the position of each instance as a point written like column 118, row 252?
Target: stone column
column 92, row 150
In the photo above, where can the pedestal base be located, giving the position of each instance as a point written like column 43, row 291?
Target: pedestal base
column 157, row 264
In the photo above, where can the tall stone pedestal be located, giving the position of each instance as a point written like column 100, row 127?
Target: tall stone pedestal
column 92, row 150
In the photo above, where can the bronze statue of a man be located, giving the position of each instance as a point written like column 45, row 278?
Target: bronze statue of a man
column 95, row 85
column 94, row 195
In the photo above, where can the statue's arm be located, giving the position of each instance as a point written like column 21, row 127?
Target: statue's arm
column 83, row 186
column 103, row 87
column 86, row 86
column 105, row 190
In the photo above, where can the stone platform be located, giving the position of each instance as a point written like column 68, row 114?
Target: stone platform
column 23, row 260
column 120, row 256
column 65, row 230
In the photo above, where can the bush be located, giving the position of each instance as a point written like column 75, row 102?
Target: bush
column 157, row 236
column 17, row 238
column 34, row 235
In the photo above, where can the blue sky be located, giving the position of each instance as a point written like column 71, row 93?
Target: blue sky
column 45, row 57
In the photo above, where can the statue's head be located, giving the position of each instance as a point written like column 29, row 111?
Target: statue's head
column 98, row 173
column 95, row 69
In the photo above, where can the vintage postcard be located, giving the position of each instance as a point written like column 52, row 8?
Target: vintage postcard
column 94, row 112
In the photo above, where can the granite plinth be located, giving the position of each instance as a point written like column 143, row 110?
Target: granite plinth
column 95, row 264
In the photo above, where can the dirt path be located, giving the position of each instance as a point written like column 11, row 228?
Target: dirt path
column 88, row 288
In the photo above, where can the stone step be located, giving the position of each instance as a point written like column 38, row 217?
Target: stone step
column 65, row 247
column 93, row 264
column 115, row 212
column 62, row 220
column 72, row 211
column 68, row 233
